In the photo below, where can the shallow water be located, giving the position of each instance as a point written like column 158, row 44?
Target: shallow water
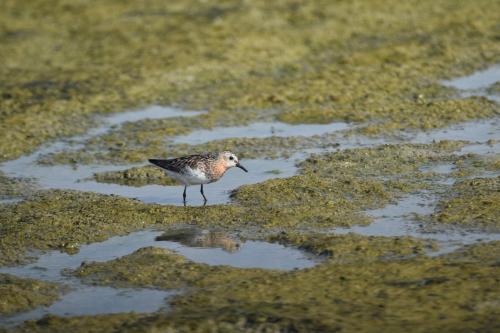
column 477, row 80
column 69, row 178
column 260, row 130
column 87, row 300
column 397, row 219
column 79, row 177
column 479, row 131
column 94, row 300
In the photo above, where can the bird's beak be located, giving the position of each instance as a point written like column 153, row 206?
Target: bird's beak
column 238, row 165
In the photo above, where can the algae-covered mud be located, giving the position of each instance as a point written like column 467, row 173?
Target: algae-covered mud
column 474, row 202
column 305, row 60
column 370, row 130
column 12, row 189
column 21, row 294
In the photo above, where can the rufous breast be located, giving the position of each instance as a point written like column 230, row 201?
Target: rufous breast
column 217, row 170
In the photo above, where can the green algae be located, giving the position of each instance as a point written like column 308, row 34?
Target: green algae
column 19, row 294
column 486, row 253
column 474, row 165
column 98, row 323
column 239, row 56
column 381, row 161
column 351, row 247
column 64, row 62
column 474, row 203
column 137, row 176
column 63, row 220
column 171, row 271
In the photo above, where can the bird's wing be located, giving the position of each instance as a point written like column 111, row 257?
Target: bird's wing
column 179, row 164
column 170, row 164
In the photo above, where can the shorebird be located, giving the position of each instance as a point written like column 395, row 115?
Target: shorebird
column 198, row 169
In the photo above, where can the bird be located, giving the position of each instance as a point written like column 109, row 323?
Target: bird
column 198, row 169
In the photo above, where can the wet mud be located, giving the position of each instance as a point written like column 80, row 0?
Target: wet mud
column 20, row 294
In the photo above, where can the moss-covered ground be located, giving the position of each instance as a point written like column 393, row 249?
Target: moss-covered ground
column 20, row 294
column 473, row 203
column 309, row 62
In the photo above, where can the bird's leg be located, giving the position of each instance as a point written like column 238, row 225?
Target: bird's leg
column 184, row 195
column 203, row 194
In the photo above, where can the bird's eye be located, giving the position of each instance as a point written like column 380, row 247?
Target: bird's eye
column 231, row 158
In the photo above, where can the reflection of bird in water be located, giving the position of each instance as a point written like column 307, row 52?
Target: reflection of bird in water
column 202, row 238
column 219, row 239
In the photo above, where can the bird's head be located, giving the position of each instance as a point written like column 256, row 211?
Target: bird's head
column 231, row 160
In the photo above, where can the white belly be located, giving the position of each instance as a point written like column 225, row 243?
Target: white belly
column 189, row 177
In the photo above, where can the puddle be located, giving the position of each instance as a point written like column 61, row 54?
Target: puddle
column 201, row 246
column 191, row 243
column 484, row 149
column 151, row 112
column 83, row 299
column 69, row 178
column 480, row 131
column 10, row 200
column 477, row 83
column 477, row 80
column 93, row 300
column 396, row 220
column 116, row 119
column 79, row 178
column 260, row 130
column 441, row 169
column 219, row 248
column 193, row 237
